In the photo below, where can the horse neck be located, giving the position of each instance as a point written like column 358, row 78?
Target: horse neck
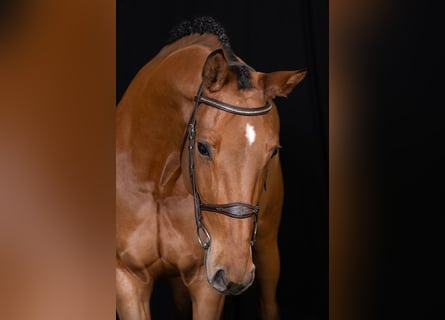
column 153, row 113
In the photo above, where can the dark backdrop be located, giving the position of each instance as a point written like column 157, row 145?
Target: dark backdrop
column 269, row 36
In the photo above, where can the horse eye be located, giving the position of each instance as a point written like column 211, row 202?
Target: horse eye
column 203, row 149
column 275, row 151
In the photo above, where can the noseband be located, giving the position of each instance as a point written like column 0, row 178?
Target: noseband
column 237, row 210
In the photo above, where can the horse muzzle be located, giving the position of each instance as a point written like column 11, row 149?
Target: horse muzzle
column 222, row 282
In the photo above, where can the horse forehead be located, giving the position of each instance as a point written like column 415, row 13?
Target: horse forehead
column 228, row 129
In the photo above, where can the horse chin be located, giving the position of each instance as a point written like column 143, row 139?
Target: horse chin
column 220, row 283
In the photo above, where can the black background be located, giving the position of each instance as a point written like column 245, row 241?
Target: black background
column 287, row 35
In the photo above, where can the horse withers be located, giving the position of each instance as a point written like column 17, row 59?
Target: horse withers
column 199, row 187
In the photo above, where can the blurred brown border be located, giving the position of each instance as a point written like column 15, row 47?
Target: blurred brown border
column 57, row 84
column 354, row 239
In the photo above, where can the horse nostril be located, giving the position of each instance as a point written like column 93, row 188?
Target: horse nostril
column 219, row 279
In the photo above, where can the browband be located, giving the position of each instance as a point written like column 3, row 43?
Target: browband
column 234, row 109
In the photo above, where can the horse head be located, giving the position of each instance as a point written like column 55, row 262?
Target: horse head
column 231, row 140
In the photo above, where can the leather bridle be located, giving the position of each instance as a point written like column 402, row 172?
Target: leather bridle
column 236, row 210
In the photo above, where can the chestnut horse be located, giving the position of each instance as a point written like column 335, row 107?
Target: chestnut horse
column 199, row 187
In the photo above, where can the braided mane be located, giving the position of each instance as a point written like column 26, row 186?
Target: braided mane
column 199, row 25
column 205, row 24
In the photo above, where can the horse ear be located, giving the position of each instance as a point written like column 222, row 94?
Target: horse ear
column 281, row 83
column 215, row 71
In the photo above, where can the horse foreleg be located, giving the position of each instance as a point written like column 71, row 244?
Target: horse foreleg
column 207, row 303
column 181, row 297
column 267, row 273
column 132, row 295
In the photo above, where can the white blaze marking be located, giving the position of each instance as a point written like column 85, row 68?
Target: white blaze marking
column 250, row 133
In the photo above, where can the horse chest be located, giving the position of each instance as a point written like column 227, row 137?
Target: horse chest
column 162, row 239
